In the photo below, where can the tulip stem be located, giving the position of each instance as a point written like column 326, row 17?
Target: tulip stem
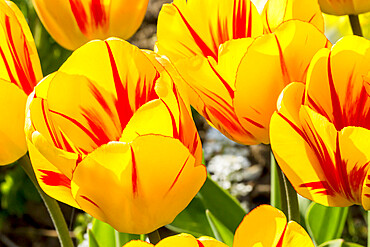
column 50, row 203
column 283, row 195
column 275, row 195
column 355, row 25
column 154, row 237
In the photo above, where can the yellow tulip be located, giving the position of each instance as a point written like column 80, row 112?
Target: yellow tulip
column 233, row 62
column 109, row 133
column 20, row 71
column 320, row 132
column 344, row 7
column 265, row 226
column 74, row 22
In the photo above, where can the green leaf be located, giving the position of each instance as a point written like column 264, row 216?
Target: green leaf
column 325, row 223
column 220, row 231
column 107, row 236
column 92, row 239
column 221, row 204
column 339, row 243
column 192, row 220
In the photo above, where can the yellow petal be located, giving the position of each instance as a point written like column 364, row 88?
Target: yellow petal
column 143, row 187
column 312, row 165
column 295, row 235
column 20, row 63
column 138, row 243
column 211, row 242
column 344, row 7
column 188, row 28
column 263, row 226
column 271, row 63
column 212, row 96
column 276, row 12
column 73, row 23
column 180, row 240
column 51, row 180
column 335, row 83
column 12, row 111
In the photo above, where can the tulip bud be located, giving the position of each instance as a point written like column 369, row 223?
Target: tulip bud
column 109, row 133
column 74, row 22
column 344, row 7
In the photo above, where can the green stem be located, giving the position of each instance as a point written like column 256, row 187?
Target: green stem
column 154, row 237
column 292, row 200
column 51, row 204
column 355, row 25
column 288, row 200
column 276, row 183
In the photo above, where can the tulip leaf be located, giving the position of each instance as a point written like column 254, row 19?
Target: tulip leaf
column 220, row 231
column 221, row 204
column 92, row 239
column 317, row 219
column 339, row 243
column 106, row 236
column 192, row 220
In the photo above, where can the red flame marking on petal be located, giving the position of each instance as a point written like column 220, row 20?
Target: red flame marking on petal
column 337, row 112
column 198, row 40
column 80, row 15
column 178, row 175
column 226, row 85
column 123, row 103
column 89, row 200
column 55, row 179
column 99, row 16
column 134, row 177
column 200, row 243
column 26, row 76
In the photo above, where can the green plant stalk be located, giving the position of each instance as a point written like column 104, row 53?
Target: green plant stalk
column 288, row 195
column 51, row 205
column 154, row 237
column 355, row 25
column 276, row 199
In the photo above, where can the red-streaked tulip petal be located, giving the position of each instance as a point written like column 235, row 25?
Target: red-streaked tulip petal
column 286, row 131
column 188, row 28
column 140, row 193
column 12, row 137
column 212, row 96
column 276, row 12
column 335, row 83
column 295, row 235
column 52, row 181
column 65, row 162
column 20, row 63
column 257, row 91
column 73, row 23
column 263, row 226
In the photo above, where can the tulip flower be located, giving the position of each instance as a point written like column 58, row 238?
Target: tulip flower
column 109, row 133
column 263, row 226
column 74, row 22
column 20, row 71
column 233, row 73
column 320, row 131
column 344, row 7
